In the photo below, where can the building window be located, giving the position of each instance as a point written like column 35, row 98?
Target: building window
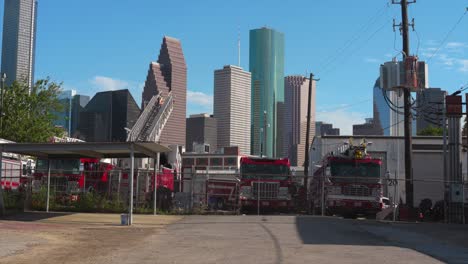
column 230, row 161
column 187, row 162
column 216, row 162
column 202, row 161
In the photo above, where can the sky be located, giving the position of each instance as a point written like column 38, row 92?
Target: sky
column 93, row 46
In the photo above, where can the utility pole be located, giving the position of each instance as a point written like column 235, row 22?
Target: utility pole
column 306, row 156
column 407, row 103
column 1, row 99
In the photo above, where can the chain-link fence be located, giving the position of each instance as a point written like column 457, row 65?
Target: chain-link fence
column 87, row 191
column 434, row 199
column 201, row 191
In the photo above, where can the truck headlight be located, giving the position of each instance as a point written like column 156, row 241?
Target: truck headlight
column 283, row 193
column 245, row 192
column 334, row 190
column 376, row 192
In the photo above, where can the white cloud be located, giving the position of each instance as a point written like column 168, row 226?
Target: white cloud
column 371, row 60
column 103, row 83
column 456, row 45
column 464, row 65
column 342, row 119
column 446, row 60
column 199, row 98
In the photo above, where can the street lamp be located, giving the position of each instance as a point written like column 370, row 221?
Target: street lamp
column 1, row 99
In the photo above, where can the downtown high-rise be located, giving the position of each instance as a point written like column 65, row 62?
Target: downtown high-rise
column 296, row 90
column 231, row 107
column 169, row 75
column 266, row 64
column 19, row 41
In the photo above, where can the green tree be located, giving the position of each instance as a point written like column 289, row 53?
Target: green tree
column 28, row 116
column 431, row 131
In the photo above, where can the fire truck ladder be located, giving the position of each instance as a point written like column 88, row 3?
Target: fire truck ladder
column 151, row 122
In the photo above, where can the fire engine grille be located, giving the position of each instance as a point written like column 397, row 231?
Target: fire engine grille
column 268, row 190
column 356, row 190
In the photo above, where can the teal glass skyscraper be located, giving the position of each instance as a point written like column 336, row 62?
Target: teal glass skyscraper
column 267, row 67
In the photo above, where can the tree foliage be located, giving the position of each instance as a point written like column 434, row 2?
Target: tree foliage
column 29, row 116
column 431, row 131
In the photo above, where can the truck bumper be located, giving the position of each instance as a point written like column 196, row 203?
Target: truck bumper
column 353, row 207
column 272, row 204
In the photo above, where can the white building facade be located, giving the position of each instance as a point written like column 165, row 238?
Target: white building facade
column 231, row 107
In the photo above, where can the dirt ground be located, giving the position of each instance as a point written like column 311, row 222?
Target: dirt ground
column 77, row 238
column 98, row 238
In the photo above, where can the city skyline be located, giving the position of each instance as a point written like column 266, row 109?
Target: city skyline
column 97, row 58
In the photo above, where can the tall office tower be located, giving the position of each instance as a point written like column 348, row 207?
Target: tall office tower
column 19, row 41
column 232, row 107
column 266, row 62
column 169, row 74
column 392, row 74
column 296, row 91
column 201, row 130
column 429, row 108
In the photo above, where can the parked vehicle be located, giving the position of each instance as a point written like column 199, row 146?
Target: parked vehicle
column 16, row 171
column 75, row 174
column 267, row 183
column 349, row 183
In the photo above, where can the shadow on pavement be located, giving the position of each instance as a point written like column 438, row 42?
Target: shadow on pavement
column 33, row 216
column 436, row 241
column 334, row 231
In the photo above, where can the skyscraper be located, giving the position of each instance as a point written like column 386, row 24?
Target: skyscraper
column 393, row 74
column 267, row 67
column 296, row 91
column 232, row 107
column 107, row 115
column 201, row 129
column 19, row 41
column 64, row 117
column 169, row 74
column 324, row 129
column 429, row 108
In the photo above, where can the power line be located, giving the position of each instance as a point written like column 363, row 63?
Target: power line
column 347, row 106
column 327, row 70
column 448, row 34
column 363, row 29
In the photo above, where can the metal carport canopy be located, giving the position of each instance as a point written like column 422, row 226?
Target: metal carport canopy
column 85, row 149
column 76, row 150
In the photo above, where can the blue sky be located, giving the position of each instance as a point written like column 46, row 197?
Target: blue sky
column 94, row 45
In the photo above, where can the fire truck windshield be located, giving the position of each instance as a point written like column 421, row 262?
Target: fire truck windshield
column 264, row 171
column 68, row 166
column 351, row 172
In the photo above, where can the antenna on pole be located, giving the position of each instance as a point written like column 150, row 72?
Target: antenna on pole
column 238, row 47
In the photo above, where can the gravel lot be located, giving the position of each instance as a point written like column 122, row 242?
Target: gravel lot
column 85, row 238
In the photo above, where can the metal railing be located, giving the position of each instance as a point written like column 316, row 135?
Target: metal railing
column 143, row 119
column 152, row 120
column 160, row 120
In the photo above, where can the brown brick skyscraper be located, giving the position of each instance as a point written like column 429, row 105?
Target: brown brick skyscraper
column 169, row 74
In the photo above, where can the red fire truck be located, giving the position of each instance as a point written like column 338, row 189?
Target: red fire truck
column 265, row 182
column 75, row 174
column 348, row 183
column 15, row 171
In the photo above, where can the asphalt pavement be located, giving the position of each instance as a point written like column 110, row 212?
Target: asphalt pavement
column 84, row 238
